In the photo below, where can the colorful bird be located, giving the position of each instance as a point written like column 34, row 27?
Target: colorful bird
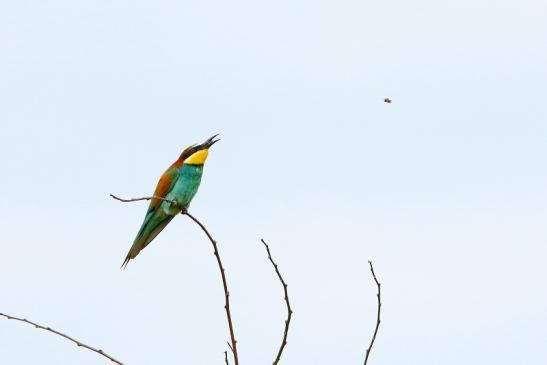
column 178, row 184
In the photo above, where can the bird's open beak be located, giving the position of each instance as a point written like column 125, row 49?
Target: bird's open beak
column 209, row 142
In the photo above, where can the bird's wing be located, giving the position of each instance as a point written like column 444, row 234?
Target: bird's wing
column 166, row 183
column 155, row 219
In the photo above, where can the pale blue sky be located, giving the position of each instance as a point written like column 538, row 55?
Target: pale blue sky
column 445, row 189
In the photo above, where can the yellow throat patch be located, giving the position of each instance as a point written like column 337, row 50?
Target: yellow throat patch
column 198, row 158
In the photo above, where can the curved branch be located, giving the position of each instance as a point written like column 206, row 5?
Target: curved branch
column 233, row 345
column 78, row 343
column 378, row 285
column 289, row 310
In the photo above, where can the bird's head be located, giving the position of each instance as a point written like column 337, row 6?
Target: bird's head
column 197, row 154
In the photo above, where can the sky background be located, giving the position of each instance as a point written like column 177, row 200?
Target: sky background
column 445, row 189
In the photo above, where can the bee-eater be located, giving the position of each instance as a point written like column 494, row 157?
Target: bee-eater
column 179, row 183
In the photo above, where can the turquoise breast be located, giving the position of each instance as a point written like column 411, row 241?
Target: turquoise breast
column 187, row 185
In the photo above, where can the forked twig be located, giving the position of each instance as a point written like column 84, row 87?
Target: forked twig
column 289, row 310
column 233, row 344
column 78, row 343
column 378, row 313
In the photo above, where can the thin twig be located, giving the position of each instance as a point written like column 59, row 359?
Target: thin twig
column 233, row 345
column 78, row 343
column 226, row 357
column 289, row 310
column 230, row 346
column 378, row 313
column 143, row 198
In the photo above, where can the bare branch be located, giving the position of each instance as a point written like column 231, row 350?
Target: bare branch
column 289, row 310
column 78, row 343
column 226, row 357
column 377, row 315
column 143, row 198
column 233, row 345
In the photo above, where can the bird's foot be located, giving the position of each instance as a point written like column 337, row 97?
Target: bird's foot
column 184, row 211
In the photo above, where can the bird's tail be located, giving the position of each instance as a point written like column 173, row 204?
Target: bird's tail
column 153, row 224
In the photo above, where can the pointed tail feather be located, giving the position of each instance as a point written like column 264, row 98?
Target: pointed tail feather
column 153, row 224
